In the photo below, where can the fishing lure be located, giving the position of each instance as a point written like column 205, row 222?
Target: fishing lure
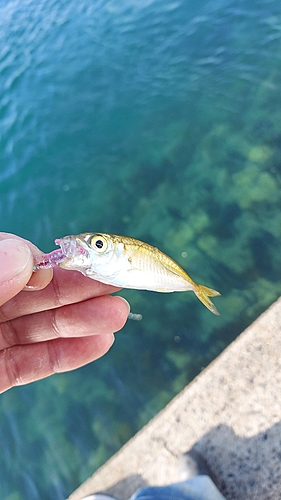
column 124, row 262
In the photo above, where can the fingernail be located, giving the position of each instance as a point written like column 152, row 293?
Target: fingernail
column 31, row 288
column 126, row 302
column 14, row 258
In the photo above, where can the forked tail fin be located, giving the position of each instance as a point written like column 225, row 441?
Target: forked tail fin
column 203, row 293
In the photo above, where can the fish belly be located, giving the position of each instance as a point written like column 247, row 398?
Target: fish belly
column 154, row 277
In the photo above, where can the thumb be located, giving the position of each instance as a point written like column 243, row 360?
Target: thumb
column 16, row 264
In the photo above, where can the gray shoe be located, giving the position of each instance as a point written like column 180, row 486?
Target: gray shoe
column 193, row 464
column 98, row 496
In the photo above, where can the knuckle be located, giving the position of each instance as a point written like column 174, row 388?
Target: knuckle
column 12, row 367
column 7, row 310
column 56, row 331
column 9, row 333
column 54, row 356
column 57, row 294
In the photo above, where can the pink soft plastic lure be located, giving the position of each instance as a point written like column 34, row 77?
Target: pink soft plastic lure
column 57, row 257
column 48, row 260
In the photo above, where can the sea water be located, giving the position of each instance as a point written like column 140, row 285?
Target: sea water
column 158, row 119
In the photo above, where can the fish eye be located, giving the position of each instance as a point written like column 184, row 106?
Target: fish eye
column 99, row 243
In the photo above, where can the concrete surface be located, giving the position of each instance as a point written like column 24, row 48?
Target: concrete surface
column 231, row 413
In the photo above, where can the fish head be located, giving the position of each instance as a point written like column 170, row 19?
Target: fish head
column 93, row 254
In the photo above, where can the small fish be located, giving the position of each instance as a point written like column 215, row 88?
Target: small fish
column 124, row 262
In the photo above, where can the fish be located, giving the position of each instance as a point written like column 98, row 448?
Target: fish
column 124, row 262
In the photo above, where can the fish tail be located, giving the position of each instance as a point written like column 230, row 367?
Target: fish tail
column 203, row 293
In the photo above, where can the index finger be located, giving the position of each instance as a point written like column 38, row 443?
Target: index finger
column 66, row 287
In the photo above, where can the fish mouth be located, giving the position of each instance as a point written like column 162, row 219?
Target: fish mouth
column 70, row 254
column 69, row 246
column 73, row 252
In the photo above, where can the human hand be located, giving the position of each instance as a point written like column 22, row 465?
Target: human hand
column 50, row 321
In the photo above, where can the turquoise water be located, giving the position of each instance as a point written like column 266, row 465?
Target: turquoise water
column 159, row 120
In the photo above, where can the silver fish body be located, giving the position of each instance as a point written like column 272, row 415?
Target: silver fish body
column 126, row 262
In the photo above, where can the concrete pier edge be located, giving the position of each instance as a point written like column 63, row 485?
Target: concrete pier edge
column 231, row 413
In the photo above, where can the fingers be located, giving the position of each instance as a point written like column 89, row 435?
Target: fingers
column 104, row 314
column 23, row 364
column 66, row 287
column 50, row 325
